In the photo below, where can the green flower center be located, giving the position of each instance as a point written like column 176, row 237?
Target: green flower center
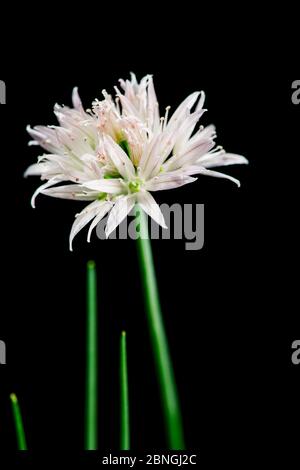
column 134, row 186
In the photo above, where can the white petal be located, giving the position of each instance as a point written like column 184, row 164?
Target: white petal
column 120, row 210
column 128, row 107
column 201, row 101
column 187, row 104
column 195, row 153
column 222, row 159
column 40, row 189
column 45, row 137
column 150, row 150
column 190, row 157
column 197, row 169
column 168, row 181
column 153, row 109
column 150, row 206
column 202, row 135
column 119, row 158
column 111, row 186
column 105, row 207
column 186, row 129
column 83, row 219
column 33, row 170
column 133, row 79
column 71, row 191
column 76, row 99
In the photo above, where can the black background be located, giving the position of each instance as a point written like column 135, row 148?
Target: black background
column 229, row 308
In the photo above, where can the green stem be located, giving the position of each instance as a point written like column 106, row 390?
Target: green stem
column 91, row 411
column 20, row 433
column 124, row 400
column 163, row 363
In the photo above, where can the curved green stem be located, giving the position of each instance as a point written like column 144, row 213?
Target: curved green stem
column 162, row 358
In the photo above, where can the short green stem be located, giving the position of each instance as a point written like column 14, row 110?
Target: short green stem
column 18, row 420
column 124, row 399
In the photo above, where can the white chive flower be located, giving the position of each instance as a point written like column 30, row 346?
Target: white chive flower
column 120, row 151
